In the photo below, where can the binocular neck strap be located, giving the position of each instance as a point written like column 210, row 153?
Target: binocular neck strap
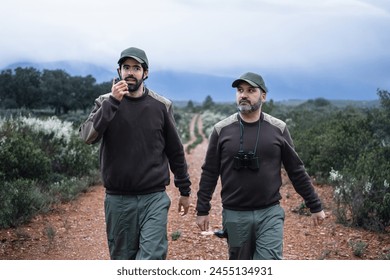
column 242, row 136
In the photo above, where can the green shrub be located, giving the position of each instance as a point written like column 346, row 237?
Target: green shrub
column 175, row 235
column 21, row 200
column 182, row 119
column 358, row 248
column 42, row 162
column 69, row 188
column 360, row 202
column 77, row 158
column 353, row 144
column 21, row 157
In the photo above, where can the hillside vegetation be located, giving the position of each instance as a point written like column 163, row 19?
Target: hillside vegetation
column 43, row 162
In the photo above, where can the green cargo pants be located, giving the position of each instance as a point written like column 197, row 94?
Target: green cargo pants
column 136, row 226
column 254, row 234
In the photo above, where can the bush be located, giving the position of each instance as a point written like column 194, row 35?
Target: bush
column 210, row 118
column 360, row 202
column 42, row 161
column 77, row 158
column 21, row 157
column 182, row 119
column 21, row 200
column 353, row 144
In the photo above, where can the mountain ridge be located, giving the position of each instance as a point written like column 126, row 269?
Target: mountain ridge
column 184, row 86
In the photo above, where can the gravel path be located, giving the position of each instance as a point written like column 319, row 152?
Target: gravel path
column 76, row 230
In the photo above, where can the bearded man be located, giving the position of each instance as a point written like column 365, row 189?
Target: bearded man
column 139, row 146
column 247, row 150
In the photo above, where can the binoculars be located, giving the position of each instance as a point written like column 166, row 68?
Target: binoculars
column 246, row 160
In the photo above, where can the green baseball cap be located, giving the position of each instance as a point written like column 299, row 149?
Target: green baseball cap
column 135, row 53
column 253, row 79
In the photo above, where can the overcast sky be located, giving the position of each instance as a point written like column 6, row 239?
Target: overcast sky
column 340, row 38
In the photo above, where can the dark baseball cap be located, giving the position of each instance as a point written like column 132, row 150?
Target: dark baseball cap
column 135, row 53
column 253, row 79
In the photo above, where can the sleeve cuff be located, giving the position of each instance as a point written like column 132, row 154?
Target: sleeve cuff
column 185, row 192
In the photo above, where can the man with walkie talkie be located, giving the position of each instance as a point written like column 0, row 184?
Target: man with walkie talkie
column 248, row 150
column 139, row 146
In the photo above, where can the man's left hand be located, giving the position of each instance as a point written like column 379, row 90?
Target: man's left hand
column 184, row 205
column 318, row 218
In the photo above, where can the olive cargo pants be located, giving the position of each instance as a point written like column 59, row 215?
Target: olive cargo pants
column 256, row 234
column 136, row 226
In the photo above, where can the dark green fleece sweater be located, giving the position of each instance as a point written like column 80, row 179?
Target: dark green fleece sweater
column 247, row 189
column 139, row 144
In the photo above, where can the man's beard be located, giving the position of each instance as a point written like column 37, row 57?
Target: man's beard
column 134, row 87
column 248, row 108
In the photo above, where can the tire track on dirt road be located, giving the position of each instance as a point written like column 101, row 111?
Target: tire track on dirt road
column 192, row 245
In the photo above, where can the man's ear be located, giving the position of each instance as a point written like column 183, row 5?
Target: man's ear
column 263, row 96
column 145, row 76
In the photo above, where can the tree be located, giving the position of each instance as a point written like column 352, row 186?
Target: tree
column 190, row 106
column 27, row 82
column 57, row 90
column 384, row 96
column 267, row 107
column 208, row 103
column 7, row 93
column 83, row 89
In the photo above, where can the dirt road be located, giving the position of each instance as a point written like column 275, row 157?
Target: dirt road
column 76, row 230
